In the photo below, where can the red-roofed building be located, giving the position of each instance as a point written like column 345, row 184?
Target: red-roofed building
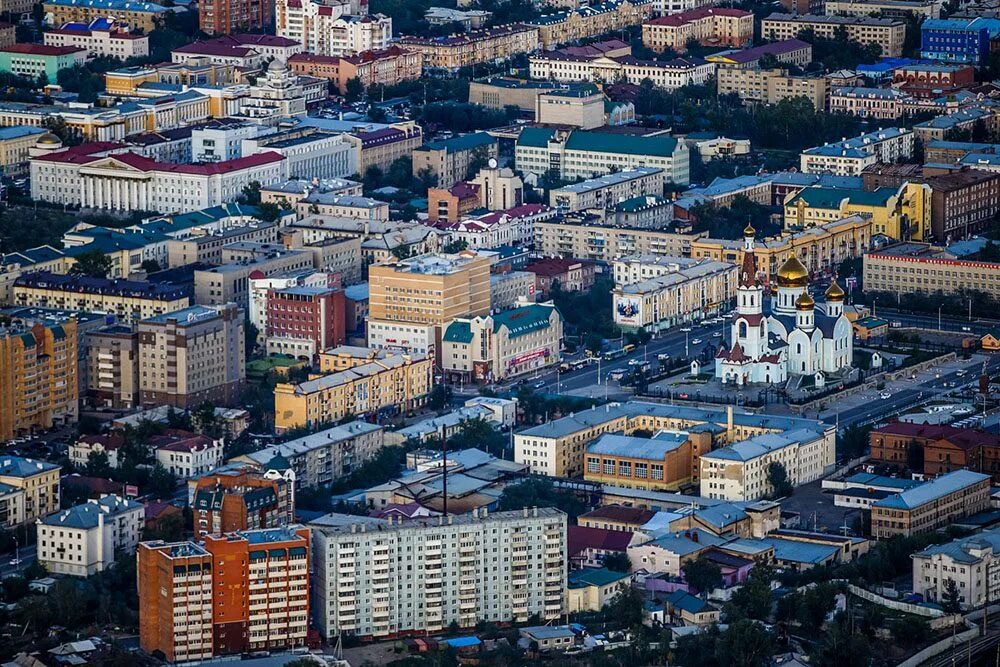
column 710, row 26
column 87, row 445
column 187, row 454
column 587, row 547
column 572, row 275
column 616, row 517
column 107, row 176
column 943, row 448
column 33, row 60
column 449, row 205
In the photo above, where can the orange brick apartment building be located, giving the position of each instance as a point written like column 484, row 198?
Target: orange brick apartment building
column 241, row 500
column 258, row 585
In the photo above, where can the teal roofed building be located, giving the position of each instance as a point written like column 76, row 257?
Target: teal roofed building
column 507, row 344
column 901, row 213
column 589, row 154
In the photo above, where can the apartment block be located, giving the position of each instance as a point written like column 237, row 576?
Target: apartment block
column 599, row 18
column 320, row 458
column 226, row 501
column 38, row 371
column 885, row 8
column 185, row 454
column 398, row 383
column 594, row 66
column 112, row 369
column 381, row 147
column 139, row 15
column 303, row 320
column 792, row 51
column 709, row 26
column 906, row 268
column 887, row 33
column 876, row 103
column 771, row 86
column 450, row 160
column 39, row 480
column 190, row 356
column 412, row 299
column 378, row 579
column 243, row 262
column 88, row 538
column 605, row 243
column 902, row 212
column 474, row 48
column 852, row 156
column 669, row 291
column 930, row 506
column 963, row 203
column 310, row 22
column 98, row 41
column 222, row 17
column 605, row 192
column 129, row 300
column 386, row 67
column 242, row 592
column 972, row 562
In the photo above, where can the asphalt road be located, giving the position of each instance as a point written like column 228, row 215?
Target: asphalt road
column 27, row 556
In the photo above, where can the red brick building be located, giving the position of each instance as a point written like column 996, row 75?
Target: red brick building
column 943, row 448
column 222, row 17
column 304, row 321
column 573, row 275
column 933, row 80
column 243, row 500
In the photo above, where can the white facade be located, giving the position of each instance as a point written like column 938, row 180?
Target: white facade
column 80, row 451
column 218, row 144
column 375, row 578
column 101, row 42
column 279, row 94
column 350, row 35
column 191, row 458
column 851, row 156
column 332, row 28
column 409, row 337
column 129, row 182
column 676, row 73
column 85, row 539
column 973, row 563
column 316, row 155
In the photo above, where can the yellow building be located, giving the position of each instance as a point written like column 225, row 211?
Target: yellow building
column 902, row 213
column 411, row 300
column 887, row 33
column 821, row 248
column 146, row 16
column 590, row 589
column 39, row 480
column 38, row 376
column 771, row 86
column 590, row 21
column 14, row 145
column 393, row 384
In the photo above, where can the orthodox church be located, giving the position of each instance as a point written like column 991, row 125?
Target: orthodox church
column 792, row 336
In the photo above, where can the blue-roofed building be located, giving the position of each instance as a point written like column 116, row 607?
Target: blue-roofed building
column 958, row 40
column 449, row 160
column 513, row 342
column 86, row 539
column 971, row 562
column 690, row 609
column 932, row 505
column 591, row 588
column 851, row 156
column 661, row 462
column 799, row 555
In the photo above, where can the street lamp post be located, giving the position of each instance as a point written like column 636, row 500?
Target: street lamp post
column 687, row 352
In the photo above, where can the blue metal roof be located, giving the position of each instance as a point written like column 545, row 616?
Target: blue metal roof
column 930, row 491
column 655, row 449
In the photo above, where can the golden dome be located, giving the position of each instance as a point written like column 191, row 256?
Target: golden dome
column 49, row 138
column 804, row 302
column 749, row 230
column 793, row 274
column 834, row 292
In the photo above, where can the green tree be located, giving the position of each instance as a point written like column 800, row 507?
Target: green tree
column 372, row 178
column 400, row 173
column 440, row 397
column 617, row 562
column 162, row 482
column 92, row 263
column 951, row 599
column 456, row 246
column 353, row 90
column 626, row 608
column 910, row 631
column 753, row 599
column 150, row 266
column 703, row 574
column 269, row 211
column 251, row 194
column 541, row 493
column 745, row 643
column 842, row 647
column 777, row 477
column 98, row 465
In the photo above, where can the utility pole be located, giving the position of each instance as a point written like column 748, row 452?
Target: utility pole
column 444, row 478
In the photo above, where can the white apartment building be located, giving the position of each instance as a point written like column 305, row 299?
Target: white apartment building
column 851, row 156
column 670, row 74
column 582, row 154
column 85, row 539
column 308, row 154
column 667, row 7
column 604, row 192
column 190, row 457
column 332, row 27
column 91, row 176
column 112, row 43
column 378, row 578
column 670, row 290
column 218, row 144
column 350, row 35
column 972, row 562
column 80, row 451
column 740, row 471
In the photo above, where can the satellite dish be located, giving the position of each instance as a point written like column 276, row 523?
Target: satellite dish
column 492, row 163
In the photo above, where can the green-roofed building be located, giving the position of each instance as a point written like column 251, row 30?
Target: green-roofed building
column 496, row 347
column 591, row 588
column 901, row 213
column 450, row 160
column 588, row 154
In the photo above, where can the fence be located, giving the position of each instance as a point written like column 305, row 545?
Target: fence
column 907, row 607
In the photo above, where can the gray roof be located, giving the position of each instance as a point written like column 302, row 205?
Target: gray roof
column 960, row 550
column 88, row 514
column 759, row 445
column 655, row 448
column 16, row 466
column 308, row 443
column 931, row 491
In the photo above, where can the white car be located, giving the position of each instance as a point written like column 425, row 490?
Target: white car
column 696, row 341
column 885, row 395
column 717, row 334
column 14, row 562
column 634, row 362
column 686, row 329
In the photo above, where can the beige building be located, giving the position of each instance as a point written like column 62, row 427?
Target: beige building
column 497, row 92
column 422, row 576
column 146, row 16
column 877, row 103
column 930, row 9
column 605, row 192
column 191, row 356
column 476, row 47
column 112, row 379
column 493, row 348
column 821, row 249
column 450, row 160
column 230, row 282
column 671, row 291
column 15, row 143
column 591, row 589
column 581, row 107
column 88, row 538
column 605, row 243
column 397, row 383
column 709, row 26
column 852, row 156
column 770, row 86
column 380, row 148
column 590, row 21
column 321, row 458
column 411, row 300
column 38, row 376
column 932, row 505
column 907, row 268
column 972, row 562
column 887, row 33
column 129, row 300
column 39, row 480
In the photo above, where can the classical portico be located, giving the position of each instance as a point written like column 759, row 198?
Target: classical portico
column 111, row 184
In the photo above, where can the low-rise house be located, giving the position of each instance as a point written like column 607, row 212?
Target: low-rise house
column 590, row 589
column 88, row 445
column 187, row 454
column 971, row 562
column 690, row 610
column 87, row 538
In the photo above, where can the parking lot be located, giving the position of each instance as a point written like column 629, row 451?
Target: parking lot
column 816, row 509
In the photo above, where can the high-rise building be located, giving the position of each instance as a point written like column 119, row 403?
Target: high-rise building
column 38, row 371
column 379, row 578
column 193, row 355
column 412, row 299
column 246, row 591
column 221, row 17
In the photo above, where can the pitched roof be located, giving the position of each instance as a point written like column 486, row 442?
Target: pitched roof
column 579, row 538
column 931, row 491
column 523, row 320
column 620, row 514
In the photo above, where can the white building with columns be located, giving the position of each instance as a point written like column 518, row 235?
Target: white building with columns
column 792, row 337
column 105, row 176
